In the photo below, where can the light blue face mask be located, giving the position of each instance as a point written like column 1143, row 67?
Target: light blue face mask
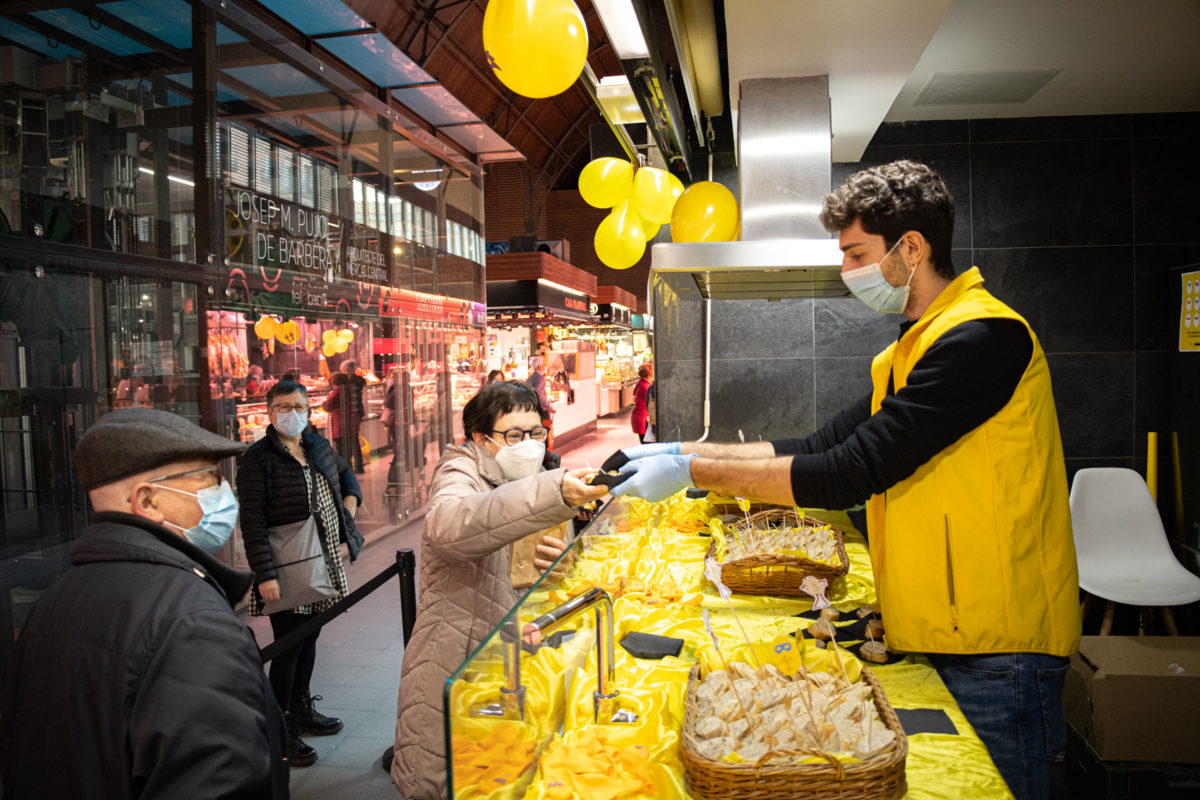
column 869, row 285
column 220, row 509
column 291, row 424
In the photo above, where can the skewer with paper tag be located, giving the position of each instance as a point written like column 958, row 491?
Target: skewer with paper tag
column 725, row 664
column 712, row 571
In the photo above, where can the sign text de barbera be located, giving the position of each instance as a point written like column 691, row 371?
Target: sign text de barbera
column 297, row 238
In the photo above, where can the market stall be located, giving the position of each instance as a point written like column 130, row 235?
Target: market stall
column 554, row 704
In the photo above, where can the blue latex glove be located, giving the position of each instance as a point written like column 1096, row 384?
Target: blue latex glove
column 623, row 457
column 656, row 477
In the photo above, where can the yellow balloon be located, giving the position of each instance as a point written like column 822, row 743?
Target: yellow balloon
column 265, row 327
column 288, row 332
column 654, row 195
column 329, row 336
column 340, row 347
column 605, row 182
column 327, row 349
column 346, row 335
column 537, row 48
column 621, row 237
column 706, row 212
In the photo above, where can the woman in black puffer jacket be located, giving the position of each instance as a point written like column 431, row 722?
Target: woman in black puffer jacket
column 288, row 474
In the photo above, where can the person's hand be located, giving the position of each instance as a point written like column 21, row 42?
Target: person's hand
column 269, row 589
column 351, row 504
column 550, row 549
column 576, row 492
column 623, row 457
column 656, row 477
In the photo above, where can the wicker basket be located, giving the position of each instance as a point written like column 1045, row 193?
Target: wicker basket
column 878, row 778
column 774, row 574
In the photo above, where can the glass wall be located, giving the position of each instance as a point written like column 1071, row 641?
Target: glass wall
column 191, row 204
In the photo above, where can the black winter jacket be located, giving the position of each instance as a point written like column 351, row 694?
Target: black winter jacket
column 271, row 492
column 132, row 678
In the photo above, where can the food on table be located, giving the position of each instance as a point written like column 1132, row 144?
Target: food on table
column 875, row 651
column 765, row 716
column 822, row 629
column 830, row 614
column 814, row 542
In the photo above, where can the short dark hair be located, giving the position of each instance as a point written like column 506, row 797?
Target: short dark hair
column 644, row 371
column 893, row 199
column 494, row 401
column 494, row 375
column 285, row 387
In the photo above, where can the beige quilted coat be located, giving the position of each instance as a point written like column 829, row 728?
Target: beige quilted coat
column 465, row 589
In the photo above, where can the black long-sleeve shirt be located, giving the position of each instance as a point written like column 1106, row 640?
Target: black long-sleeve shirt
column 961, row 381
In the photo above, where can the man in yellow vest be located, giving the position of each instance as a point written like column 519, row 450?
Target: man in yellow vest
column 957, row 454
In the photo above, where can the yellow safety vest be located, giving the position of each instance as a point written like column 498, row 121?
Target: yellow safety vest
column 973, row 553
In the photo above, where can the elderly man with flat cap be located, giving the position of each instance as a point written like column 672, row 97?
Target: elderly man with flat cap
column 132, row 676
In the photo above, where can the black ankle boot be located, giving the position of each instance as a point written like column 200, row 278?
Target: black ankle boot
column 311, row 721
column 298, row 753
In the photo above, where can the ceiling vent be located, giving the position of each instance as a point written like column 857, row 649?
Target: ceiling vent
column 976, row 88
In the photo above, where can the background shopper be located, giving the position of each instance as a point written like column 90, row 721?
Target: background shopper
column 641, row 415
column 286, row 475
column 346, row 412
column 132, row 676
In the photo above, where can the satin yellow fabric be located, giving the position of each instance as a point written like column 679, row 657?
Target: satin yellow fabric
column 651, row 562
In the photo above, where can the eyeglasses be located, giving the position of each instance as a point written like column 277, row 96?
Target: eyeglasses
column 286, row 408
column 214, row 468
column 516, row 435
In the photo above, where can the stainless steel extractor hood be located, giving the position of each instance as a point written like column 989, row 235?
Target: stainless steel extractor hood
column 785, row 164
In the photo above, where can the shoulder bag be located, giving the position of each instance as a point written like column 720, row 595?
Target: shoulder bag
column 299, row 557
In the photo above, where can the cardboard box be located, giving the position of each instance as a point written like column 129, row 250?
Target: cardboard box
column 1137, row 698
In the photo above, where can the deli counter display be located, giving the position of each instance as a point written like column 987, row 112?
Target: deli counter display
column 606, row 680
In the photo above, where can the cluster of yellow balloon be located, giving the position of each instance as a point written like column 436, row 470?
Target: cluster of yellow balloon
column 641, row 201
column 537, row 48
column 706, row 212
column 283, row 332
column 333, row 342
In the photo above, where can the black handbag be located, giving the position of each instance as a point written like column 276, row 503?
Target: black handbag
column 300, row 566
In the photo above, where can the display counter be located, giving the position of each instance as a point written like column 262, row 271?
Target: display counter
column 552, row 706
column 614, row 396
column 572, row 419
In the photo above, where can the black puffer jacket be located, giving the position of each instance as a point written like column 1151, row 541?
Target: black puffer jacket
column 271, row 491
column 133, row 678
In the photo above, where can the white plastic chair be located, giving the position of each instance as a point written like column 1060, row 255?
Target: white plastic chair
column 1122, row 549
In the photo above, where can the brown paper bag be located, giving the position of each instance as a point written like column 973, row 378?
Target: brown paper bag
column 524, row 551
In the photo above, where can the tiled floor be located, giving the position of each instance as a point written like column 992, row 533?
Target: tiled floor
column 359, row 655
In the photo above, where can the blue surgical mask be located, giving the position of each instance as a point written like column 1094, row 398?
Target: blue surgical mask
column 869, row 285
column 220, row 509
column 291, row 424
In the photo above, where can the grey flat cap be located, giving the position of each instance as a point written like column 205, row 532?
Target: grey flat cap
column 132, row 440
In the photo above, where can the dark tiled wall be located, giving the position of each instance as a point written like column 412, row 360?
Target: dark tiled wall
column 1073, row 221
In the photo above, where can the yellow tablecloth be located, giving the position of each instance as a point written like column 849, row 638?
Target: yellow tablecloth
column 652, row 564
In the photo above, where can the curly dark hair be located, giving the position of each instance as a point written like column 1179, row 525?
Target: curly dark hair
column 893, row 199
column 494, row 401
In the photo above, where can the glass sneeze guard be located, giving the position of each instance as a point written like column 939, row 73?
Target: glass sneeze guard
column 511, row 694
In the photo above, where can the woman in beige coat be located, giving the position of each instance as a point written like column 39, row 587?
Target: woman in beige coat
column 487, row 493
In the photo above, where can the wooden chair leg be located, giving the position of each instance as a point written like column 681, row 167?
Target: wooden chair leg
column 1169, row 621
column 1086, row 605
column 1106, row 625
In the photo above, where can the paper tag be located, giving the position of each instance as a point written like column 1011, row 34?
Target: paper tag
column 712, row 571
column 812, row 585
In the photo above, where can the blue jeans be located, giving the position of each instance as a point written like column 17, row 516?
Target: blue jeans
column 1014, row 703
